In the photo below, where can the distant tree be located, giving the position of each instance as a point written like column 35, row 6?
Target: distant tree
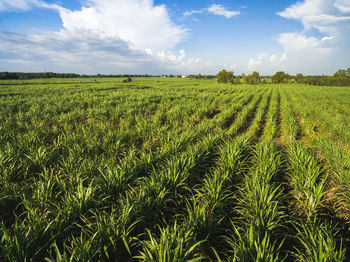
column 19, row 75
column 229, row 77
column 237, row 80
column 280, row 77
column 225, row 77
column 299, row 78
column 244, row 79
column 342, row 73
column 254, row 78
column 128, row 80
column 4, row 75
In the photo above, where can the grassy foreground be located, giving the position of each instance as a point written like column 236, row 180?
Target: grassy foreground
column 173, row 170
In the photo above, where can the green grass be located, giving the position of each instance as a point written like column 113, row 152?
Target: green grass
column 173, row 170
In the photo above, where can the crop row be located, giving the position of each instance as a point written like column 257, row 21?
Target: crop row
column 159, row 170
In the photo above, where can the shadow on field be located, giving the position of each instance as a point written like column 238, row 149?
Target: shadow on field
column 228, row 122
column 264, row 118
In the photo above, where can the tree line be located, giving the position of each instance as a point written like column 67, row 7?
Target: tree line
column 340, row 78
column 227, row 77
column 22, row 76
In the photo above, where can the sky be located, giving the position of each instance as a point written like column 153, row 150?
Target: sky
column 174, row 37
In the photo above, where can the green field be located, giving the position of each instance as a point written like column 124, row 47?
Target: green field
column 173, row 170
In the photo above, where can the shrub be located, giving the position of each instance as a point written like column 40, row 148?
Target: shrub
column 128, row 80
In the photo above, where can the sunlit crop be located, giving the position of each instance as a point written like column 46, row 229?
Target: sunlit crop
column 173, row 170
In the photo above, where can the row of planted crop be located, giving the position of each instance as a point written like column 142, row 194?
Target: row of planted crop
column 153, row 199
column 309, row 187
column 45, row 189
column 332, row 121
column 208, row 214
column 333, row 154
column 177, row 180
column 254, row 234
column 200, row 221
column 79, row 207
column 260, row 220
column 136, row 126
column 67, row 151
column 258, row 124
column 111, row 141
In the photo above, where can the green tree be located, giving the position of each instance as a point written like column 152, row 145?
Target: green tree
column 244, row 79
column 299, row 78
column 225, row 77
column 343, row 73
column 280, row 77
column 237, row 80
column 254, row 78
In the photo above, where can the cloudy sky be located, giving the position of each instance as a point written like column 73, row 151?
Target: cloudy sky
column 174, row 37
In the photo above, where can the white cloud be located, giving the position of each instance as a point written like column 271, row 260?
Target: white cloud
column 10, row 5
column 188, row 13
column 310, row 54
column 343, row 6
column 39, row 50
column 298, row 41
column 105, row 36
column 323, row 15
column 273, row 58
column 220, row 10
column 177, row 59
column 138, row 22
column 263, row 63
column 86, row 53
column 24, row 5
column 307, row 54
column 214, row 9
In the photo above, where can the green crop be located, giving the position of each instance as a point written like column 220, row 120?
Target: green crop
column 173, row 170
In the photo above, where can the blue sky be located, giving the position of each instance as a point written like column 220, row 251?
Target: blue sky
column 174, row 37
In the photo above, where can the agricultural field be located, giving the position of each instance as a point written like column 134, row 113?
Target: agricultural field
column 173, row 170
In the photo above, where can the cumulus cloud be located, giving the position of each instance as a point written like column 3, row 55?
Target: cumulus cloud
column 310, row 54
column 108, row 36
column 264, row 63
column 327, row 16
column 138, row 22
column 255, row 62
column 86, row 52
column 214, row 9
column 187, row 65
column 39, row 50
